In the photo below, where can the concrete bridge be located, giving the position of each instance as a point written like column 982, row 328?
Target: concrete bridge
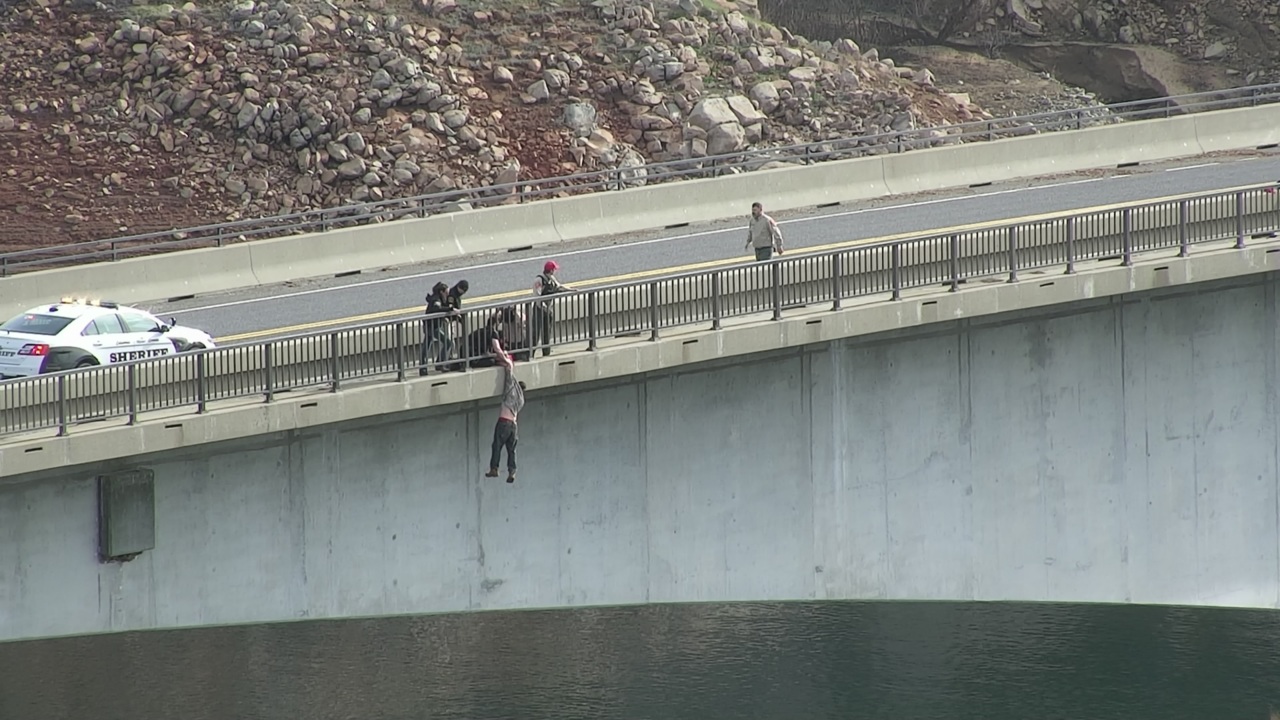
column 1104, row 435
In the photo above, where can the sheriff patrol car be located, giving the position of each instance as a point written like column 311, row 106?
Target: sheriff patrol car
column 80, row 333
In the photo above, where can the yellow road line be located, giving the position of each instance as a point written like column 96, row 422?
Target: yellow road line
column 677, row 269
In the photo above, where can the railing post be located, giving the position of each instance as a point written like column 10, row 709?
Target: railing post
column 1183, row 220
column 835, row 279
column 775, row 283
column 716, row 293
column 896, row 274
column 1071, row 245
column 400, row 359
column 592, row 328
column 1012, row 236
column 653, row 309
column 1239, row 219
column 334, row 382
column 202, row 393
column 955, row 263
column 267, row 366
column 1127, row 235
column 62, row 404
column 131, row 371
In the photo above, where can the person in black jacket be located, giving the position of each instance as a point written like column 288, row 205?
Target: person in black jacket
column 456, row 292
column 453, row 305
column 436, row 330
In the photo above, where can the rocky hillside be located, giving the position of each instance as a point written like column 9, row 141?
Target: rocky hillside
column 1243, row 36
column 130, row 119
column 1119, row 49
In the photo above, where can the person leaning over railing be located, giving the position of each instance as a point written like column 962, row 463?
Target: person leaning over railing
column 763, row 233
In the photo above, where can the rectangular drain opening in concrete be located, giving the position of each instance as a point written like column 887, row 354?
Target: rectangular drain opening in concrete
column 1047, row 284
column 689, row 342
column 310, row 405
column 173, row 426
column 126, row 514
column 34, row 449
column 347, row 273
column 566, row 363
column 522, row 248
column 814, row 322
column 181, row 297
column 1127, row 165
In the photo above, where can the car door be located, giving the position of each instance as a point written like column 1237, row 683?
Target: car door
column 105, row 336
column 143, row 338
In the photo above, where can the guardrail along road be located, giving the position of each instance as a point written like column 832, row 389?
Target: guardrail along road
column 641, row 309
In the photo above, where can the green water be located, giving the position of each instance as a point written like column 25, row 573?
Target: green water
column 762, row 661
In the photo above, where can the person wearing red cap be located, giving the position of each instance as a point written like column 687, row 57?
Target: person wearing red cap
column 543, row 316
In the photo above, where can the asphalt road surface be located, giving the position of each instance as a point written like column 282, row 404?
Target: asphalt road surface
column 325, row 303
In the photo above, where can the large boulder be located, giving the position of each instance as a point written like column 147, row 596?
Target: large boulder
column 710, row 112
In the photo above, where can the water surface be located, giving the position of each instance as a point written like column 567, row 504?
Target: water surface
column 758, row 661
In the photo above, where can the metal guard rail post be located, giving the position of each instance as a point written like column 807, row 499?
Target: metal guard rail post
column 585, row 318
column 611, row 179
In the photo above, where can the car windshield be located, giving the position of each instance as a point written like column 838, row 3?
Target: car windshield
column 37, row 324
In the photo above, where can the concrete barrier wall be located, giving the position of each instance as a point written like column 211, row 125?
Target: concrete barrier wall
column 510, row 226
column 1235, row 129
column 1114, row 451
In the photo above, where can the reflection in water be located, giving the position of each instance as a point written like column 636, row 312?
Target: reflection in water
column 764, row 661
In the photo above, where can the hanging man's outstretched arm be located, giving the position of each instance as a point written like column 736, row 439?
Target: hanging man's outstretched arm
column 502, row 356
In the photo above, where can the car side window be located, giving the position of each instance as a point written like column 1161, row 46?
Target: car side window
column 107, row 325
column 135, row 323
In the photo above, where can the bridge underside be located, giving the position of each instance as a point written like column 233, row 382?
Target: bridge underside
column 1123, row 450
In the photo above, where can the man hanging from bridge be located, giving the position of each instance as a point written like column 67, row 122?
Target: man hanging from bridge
column 504, row 432
column 763, row 233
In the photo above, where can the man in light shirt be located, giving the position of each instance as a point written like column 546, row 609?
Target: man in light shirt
column 504, row 432
column 763, row 233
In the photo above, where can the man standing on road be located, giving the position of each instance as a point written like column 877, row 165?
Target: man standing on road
column 504, row 432
column 763, row 233
column 541, row 315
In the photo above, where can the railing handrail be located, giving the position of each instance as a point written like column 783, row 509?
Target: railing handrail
column 532, row 189
column 997, row 247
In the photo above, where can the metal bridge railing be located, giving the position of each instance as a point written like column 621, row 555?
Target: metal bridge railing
column 638, row 310
column 605, row 180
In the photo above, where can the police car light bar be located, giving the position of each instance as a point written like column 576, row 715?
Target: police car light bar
column 94, row 303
